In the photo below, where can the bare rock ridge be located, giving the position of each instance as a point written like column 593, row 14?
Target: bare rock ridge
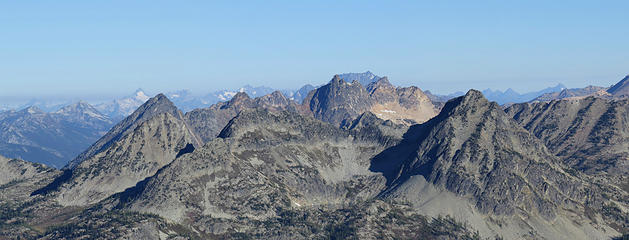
column 208, row 122
column 590, row 135
column 620, row 89
column 134, row 149
column 339, row 101
column 476, row 151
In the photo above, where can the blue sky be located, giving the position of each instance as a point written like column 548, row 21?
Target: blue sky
column 114, row 47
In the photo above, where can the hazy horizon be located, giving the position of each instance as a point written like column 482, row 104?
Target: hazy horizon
column 76, row 48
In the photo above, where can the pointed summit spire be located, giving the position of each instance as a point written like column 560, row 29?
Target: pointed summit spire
column 153, row 107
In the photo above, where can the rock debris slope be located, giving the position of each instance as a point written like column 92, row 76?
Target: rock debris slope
column 134, row 149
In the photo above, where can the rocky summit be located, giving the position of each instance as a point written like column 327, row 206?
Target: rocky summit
column 351, row 162
column 340, row 101
column 491, row 168
column 136, row 148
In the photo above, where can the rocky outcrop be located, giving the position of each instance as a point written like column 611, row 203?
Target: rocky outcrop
column 150, row 138
column 339, row 102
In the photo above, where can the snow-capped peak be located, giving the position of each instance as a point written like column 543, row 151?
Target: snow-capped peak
column 140, row 95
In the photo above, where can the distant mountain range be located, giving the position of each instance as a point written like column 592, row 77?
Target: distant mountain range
column 183, row 99
column 51, row 138
column 619, row 90
column 187, row 101
column 511, row 96
column 508, row 96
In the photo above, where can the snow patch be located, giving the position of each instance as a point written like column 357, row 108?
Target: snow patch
column 140, row 95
